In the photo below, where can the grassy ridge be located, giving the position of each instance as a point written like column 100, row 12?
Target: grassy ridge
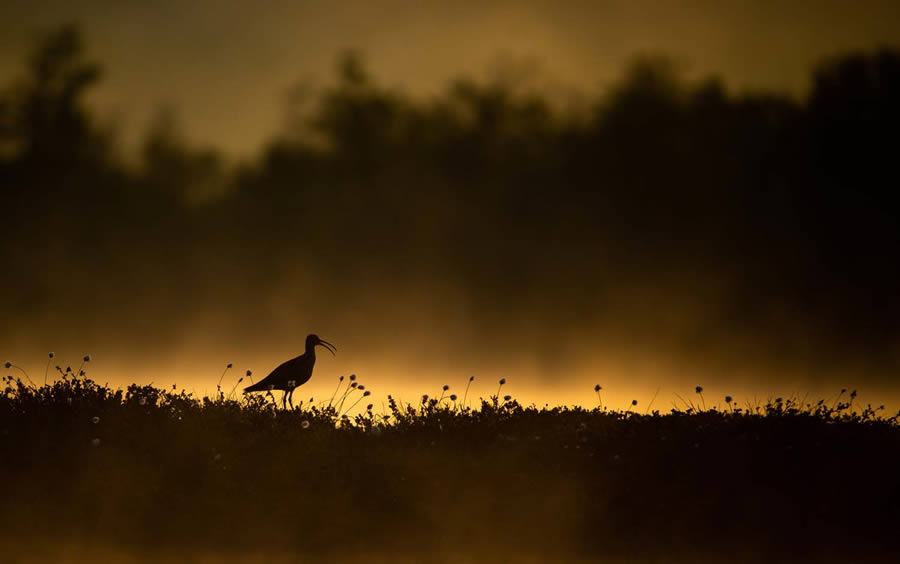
column 153, row 471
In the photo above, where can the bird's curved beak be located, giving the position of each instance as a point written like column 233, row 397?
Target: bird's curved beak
column 328, row 346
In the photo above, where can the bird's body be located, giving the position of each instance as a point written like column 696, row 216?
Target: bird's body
column 292, row 373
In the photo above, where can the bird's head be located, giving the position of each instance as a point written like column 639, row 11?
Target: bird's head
column 314, row 340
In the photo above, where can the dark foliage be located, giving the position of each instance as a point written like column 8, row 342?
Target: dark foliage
column 517, row 203
column 154, row 472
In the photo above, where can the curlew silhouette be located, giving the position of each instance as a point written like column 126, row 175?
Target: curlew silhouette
column 292, row 373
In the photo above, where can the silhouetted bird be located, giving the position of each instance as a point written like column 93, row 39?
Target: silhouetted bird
column 292, row 373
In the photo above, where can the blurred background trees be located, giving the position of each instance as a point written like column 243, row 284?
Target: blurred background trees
column 490, row 189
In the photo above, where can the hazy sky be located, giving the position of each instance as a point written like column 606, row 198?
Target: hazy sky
column 176, row 52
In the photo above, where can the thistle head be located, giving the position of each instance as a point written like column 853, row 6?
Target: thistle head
column 446, row 387
column 471, row 378
column 728, row 399
column 507, row 398
column 598, row 387
column 249, row 373
column 452, row 397
column 502, row 381
column 7, row 364
column 51, row 354
column 352, row 377
column 633, row 403
column 367, row 393
column 86, row 358
column 229, row 365
column 699, row 389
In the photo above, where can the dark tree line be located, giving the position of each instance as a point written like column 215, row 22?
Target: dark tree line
column 498, row 191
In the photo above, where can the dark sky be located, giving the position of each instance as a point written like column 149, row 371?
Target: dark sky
column 226, row 66
column 677, row 232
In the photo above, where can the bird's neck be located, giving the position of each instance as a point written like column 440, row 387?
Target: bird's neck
column 311, row 351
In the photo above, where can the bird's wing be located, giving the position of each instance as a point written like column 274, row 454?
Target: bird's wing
column 277, row 378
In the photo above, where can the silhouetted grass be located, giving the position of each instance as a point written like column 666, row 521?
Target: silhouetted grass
column 153, row 472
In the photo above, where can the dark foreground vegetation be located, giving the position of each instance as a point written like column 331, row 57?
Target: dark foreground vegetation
column 153, row 474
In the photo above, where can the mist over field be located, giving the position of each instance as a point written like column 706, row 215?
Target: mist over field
column 437, row 282
column 668, row 232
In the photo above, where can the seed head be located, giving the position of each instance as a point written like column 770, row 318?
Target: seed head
column 249, row 373
column 424, row 398
column 598, row 387
column 502, row 381
column 86, row 358
column 507, row 398
column 360, row 387
column 471, row 378
column 699, row 389
column 369, row 407
column 446, row 387
column 352, row 377
column 853, row 394
column 452, row 397
column 7, row 364
column 341, row 379
column 304, row 424
column 728, row 399
column 354, row 385
column 229, row 365
column 633, row 403
column 51, row 354
column 366, row 393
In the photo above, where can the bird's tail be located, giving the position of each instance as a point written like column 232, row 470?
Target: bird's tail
column 257, row 387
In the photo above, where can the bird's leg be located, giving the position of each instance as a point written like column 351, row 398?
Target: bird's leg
column 291, row 398
column 284, row 400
